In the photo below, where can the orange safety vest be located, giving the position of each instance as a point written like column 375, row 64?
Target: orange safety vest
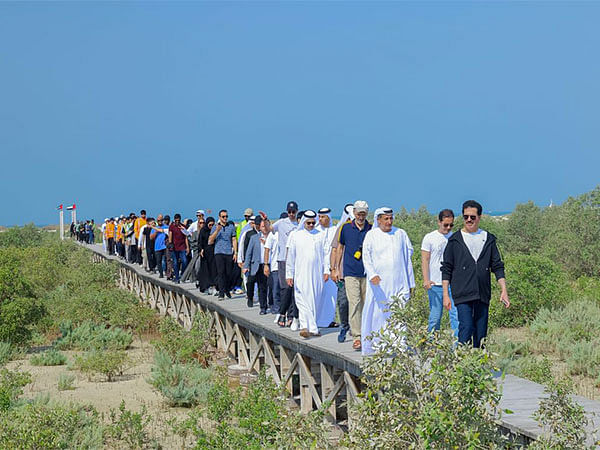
column 137, row 226
column 109, row 231
column 119, row 231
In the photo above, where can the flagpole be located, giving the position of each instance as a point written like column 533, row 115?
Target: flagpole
column 62, row 225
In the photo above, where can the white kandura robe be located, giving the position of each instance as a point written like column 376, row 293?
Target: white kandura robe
column 389, row 256
column 326, row 304
column 305, row 265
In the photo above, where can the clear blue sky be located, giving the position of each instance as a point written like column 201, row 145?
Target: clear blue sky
column 176, row 106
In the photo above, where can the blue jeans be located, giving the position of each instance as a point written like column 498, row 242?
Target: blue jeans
column 436, row 308
column 472, row 322
column 179, row 257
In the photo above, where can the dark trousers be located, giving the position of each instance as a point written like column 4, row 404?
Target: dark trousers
column 110, row 244
column 472, row 322
column 260, row 279
column 287, row 302
column 342, row 303
column 133, row 251
column 151, row 258
column 159, row 255
column 224, row 265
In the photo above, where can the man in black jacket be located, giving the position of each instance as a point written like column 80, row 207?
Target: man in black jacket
column 468, row 259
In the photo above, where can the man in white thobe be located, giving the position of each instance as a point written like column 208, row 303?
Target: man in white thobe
column 387, row 253
column 306, row 271
column 326, row 304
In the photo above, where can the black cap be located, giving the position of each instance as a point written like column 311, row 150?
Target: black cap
column 258, row 220
column 283, row 215
column 292, row 206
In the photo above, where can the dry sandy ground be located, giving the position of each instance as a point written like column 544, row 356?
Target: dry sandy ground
column 104, row 396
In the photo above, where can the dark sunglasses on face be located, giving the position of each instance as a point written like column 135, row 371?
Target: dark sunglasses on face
column 224, row 217
column 447, row 225
column 310, row 222
column 467, row 217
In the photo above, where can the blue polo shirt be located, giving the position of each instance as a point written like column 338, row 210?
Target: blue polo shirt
column 351, row 237
column 160, row 239
column 223, row 245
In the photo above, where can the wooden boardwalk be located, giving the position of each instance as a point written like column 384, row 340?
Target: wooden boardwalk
column 315, row 370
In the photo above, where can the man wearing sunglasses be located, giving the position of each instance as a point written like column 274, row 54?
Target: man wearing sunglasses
column 468, row 259
column 432, row 253
column 223, row 237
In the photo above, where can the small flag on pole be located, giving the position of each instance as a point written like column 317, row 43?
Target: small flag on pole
column 71, row 207
column 59, row 208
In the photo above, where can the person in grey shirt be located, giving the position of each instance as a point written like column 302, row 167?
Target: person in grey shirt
column 223, row 237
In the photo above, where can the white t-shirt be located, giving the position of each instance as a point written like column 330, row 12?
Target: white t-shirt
column 272, row 244
column 475, row 242
column 435, row 243
column 283, row 227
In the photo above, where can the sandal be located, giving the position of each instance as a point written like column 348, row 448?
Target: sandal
column 281, row 321
column 333, row 324
column 289, row 323
column 356, row 344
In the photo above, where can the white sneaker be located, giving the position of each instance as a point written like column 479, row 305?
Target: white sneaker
column 276, row 318
column 295, row 325
column 239, row 291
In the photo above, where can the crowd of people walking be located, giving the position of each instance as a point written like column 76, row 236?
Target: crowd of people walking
column 302, row 267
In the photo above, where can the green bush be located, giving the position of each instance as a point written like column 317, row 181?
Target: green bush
column 535, row 369
column 11, row 387
column 259, row 419
column 583, row 358
column 431, row 396
column 65, row 381
column 533, row 282
column 109, row 363
column 129, row 428
column 13, row 283
column 90, row 336
column 577, row 321
column 7, row 351
column 51, row 357
column 25, row 236
column 181, row 384
column 563, row 419
column 42, row 425
column 184, row 345
column 17, row 318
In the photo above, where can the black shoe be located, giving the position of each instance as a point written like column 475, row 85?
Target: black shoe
column 250, row 303
column 342, row 336
column 262, row 312
column 221, row 297
column 228, row 294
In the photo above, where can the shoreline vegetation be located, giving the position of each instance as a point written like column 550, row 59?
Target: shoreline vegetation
column 73, row 345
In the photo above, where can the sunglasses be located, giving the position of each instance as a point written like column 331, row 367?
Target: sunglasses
column 224, row 217
column 310, row 222
column 467, row 217
column 447, row 225
column 201, row 223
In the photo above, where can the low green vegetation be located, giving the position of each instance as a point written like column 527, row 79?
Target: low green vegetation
column 182, row 345
column 256, row 419
column 51, row 357
column 182, row 384
column 66, row 382
column 7, row 352
column 108, row 363
column 90, row 336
